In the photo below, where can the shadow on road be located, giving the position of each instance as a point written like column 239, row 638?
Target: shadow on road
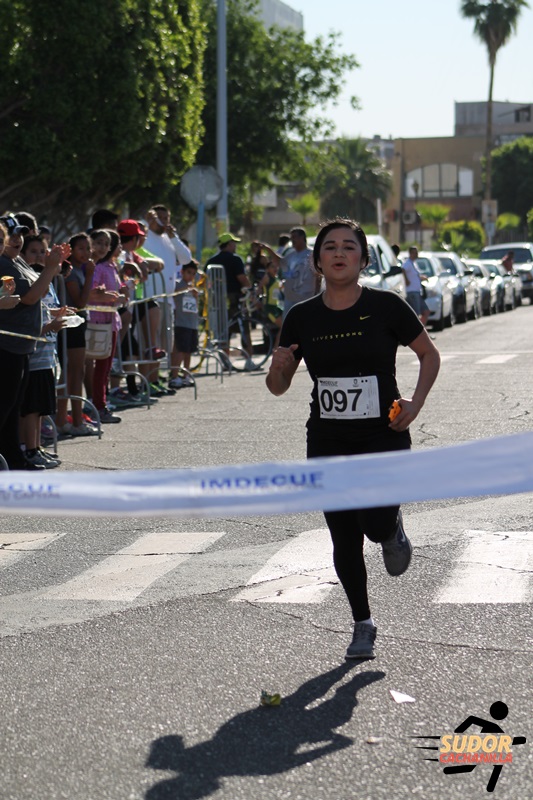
column 262, row 741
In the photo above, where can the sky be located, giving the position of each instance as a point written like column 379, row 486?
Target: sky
column 417, row 58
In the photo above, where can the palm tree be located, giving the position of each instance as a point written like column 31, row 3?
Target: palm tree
column 433, row 215
column 355, row 180
column 494, row 23
column 305, row 205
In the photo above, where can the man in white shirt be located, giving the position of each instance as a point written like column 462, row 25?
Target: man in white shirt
column 412, row 281
column 163, row 241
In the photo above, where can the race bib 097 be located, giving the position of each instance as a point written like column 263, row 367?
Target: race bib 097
column 349, row 398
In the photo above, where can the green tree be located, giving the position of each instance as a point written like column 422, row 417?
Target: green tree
column 494, row 23
column 463, row 235
column 305, row 205
column 512, row 171
column 529, row 220
column 351, row 181
column 507, row 222
column 278, row 86
column 433, row 215
column 101, row 102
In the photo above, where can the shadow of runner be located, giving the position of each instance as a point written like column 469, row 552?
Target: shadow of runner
column 262, row 741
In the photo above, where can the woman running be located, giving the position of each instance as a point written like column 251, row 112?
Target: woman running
column 348, row 337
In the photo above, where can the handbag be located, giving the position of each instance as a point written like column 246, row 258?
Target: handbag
column 98, row 340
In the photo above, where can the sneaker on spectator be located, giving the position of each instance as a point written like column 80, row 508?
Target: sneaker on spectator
column 118, row 398
column 37, row 457
column 107, row 416
column 116, row 371
column 155, row 390
column 176, row 383
column 83, row 430
column 154, row 353
column 249, row 365
column 165, row 388
column 188, row 380
column 48, row 455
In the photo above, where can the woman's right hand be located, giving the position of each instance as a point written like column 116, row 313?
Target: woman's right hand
column 283, row 357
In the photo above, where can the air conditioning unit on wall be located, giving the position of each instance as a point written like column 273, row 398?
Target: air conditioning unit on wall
column 409, row 217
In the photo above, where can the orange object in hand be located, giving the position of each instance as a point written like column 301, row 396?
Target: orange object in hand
column 394, row 410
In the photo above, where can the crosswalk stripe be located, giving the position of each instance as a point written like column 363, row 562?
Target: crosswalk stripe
column 300, row 572
column 497, row 359
column 129, row 572
column 14, row 546
column 493, row 568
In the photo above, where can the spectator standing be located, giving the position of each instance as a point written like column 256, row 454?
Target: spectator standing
column 413, row 281
column 300, row 280
column 40, row 396
column 273, row 300
column 236, row 278
column 78, row 286
column 185, row 324
column 163, row 241
column 25, row 318
column 105, row 277
column 104, row 219
column 508, row 261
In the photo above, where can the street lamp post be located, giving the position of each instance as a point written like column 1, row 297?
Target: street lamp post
column 222, row 116
column 416, row 187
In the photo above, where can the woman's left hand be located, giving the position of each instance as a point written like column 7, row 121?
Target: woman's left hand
column 410, row 411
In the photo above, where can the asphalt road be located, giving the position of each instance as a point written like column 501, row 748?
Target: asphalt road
column 133, row 653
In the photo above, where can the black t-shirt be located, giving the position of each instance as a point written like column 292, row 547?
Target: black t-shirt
column 233, row 266
column 358, row 342
column 23, row 318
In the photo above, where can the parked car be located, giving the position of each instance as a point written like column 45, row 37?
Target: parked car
column 466, row 293
column 523, row 262
column 503, row 284
column 437, row 288
column 383, row 271
column 489, row 284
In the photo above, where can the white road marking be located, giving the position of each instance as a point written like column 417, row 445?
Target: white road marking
column 301, row 572
column 497, row 359
column 14, row 546
column 494, row 567
column 129, row 572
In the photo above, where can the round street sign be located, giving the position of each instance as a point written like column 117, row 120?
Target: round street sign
column 201, row 185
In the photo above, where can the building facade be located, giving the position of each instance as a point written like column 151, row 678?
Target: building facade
column 274, row 12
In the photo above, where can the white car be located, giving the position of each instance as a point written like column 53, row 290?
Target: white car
column 523, row 263
column 437, row 289
column 383, row 271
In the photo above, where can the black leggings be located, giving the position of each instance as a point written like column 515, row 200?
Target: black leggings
column 348, row 528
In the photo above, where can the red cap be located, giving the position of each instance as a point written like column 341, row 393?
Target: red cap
column 129, row 227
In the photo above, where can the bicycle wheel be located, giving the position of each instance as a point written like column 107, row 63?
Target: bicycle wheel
column 250, row 343
column 197, row 358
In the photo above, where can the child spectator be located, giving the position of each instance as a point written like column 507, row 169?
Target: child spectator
column 185, row 325
column 106, row 248
column 40, row 394
column 273, row 300
column 78, row 286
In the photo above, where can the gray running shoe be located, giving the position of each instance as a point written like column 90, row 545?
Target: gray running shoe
column 362, row 646
column 397, row 550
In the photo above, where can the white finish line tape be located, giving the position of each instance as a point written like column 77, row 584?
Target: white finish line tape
column 503, row 465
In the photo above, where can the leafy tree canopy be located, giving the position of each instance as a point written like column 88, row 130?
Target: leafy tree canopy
column 512, row 165
column 277, row 86
column 98, row 100
column 351, row 179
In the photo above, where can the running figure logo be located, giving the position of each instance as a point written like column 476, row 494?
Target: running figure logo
column 465, row 753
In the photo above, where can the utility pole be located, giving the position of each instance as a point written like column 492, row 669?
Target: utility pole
column 222, row 117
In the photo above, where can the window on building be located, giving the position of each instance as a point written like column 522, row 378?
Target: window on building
column 439, row 180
